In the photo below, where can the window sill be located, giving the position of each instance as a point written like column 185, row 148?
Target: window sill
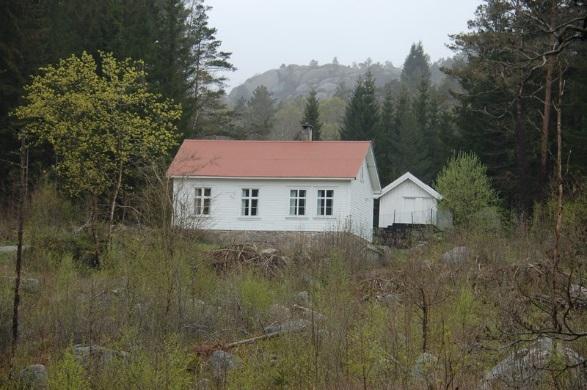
column 297, row 217
column 325, row 217
column 243, row 218
column 198, row 216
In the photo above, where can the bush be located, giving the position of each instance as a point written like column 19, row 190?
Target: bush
column 465, row 188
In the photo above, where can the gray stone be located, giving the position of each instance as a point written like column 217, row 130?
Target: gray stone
column 12, row 248
column 578, row 295
column 269, row 252
column 28, row 285
column 95, row 354
column 389, row 299
column 303, row 298
column 456, row 256
column 221, row 362
column 526, row 368
column 34, row 377
column 287, row 326
column 279, row 312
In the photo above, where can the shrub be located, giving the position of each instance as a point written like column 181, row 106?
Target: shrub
column 465, row 188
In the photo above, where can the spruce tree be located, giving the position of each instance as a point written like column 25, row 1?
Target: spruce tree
column 386, row 135
column 416, row 68
column 260, row 114
column 312, row 115
column 361, row 117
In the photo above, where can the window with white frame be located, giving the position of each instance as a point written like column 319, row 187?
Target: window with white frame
column 202, row 200
column 297, row 202
column 325, row 202
column 250, row 202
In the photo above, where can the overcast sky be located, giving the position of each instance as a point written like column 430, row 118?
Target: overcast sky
column 263, row 34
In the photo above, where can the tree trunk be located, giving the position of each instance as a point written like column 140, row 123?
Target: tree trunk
column 546, row 121
column 113, row 206
column 559, row 209
column 94, row 228
column 550, row 61
column 521, row 152
column 20, row 216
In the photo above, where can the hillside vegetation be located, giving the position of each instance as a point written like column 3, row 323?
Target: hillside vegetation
column 165, row 303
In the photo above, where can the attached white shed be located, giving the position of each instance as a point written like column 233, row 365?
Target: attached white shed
column 408, row 200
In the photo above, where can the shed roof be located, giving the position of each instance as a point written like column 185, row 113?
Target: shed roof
column 273, row 159
column 413, row 179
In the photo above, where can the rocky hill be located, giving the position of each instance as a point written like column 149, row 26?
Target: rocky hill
column 291, row 81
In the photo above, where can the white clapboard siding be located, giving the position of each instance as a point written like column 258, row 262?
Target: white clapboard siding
column 408, row 202
column 273, row 205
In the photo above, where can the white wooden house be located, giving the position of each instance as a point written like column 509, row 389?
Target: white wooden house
column 309, row 186
column 407, row 200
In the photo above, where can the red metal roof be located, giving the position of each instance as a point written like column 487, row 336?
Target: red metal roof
column 280, row 159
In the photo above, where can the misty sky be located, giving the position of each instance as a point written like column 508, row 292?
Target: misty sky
column 263, row 34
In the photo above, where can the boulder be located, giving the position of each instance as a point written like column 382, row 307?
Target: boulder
column 303, row 298
column 527, row 368
column 95, row 354
column 221, row 362
column 34, row 377
column 278, row 313
column 578, row 295
column 269, row 252
column 287, row 326
column 28, row 285
column 456, row 256
column 389, row 299
column 12, row 248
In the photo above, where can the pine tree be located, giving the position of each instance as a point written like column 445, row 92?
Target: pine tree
column 361, row 117
column 260, row 114
column 416, row 68
column 312, row 115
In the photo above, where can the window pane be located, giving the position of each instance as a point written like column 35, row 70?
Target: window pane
column 198, row 205
column 245, row 207
column 293, row 193
column 302, row 193
column 328, row 210
column 206, row 206
column 253, row 210
column 245, row 192
column 330, row 193
column 207, row 191
column 302, row 210
column 321, row 193
column 254, row 203
column 198, row 192
column 255, row 193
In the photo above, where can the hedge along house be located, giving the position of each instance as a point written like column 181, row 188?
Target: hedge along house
column 297, row 186
column 408, row 201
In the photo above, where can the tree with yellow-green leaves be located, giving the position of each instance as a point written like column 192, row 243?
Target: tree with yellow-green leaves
column 101, row 120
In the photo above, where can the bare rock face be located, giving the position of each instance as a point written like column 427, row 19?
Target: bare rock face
column 456, row 256
column 526, row 368
column 34, row 377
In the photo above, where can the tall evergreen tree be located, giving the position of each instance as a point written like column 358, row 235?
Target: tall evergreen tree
column 409, row 148
column 386, row 135
column 416, row 68
column 362, row 112
column 312, row 115
column 260, row 114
